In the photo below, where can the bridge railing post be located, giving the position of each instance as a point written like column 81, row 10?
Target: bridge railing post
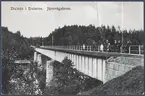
column 88, row 48
column 129, row 49
column 139, row 49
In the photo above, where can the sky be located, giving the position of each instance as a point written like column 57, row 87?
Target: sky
column 31, row 23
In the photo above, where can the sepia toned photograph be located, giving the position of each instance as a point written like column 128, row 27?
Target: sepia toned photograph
column 72, row 48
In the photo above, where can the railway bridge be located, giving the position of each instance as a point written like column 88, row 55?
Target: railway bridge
column 96, row 64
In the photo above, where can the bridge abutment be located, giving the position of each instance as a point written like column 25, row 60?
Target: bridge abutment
column 115, row 69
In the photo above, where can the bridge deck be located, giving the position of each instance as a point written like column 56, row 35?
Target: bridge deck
column 93, row 53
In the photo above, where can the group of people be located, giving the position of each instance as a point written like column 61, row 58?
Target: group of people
column 107, row 47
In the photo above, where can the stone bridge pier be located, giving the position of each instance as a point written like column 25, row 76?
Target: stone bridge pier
column 44, row 64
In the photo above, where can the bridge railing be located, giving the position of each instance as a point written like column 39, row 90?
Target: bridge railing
column 75, row 47
column 136, row 49
column 132, row 49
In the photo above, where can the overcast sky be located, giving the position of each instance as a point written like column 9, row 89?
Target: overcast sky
column 41, row 23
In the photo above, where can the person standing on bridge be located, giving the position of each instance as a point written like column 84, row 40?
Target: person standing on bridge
column 101, row 47
column 127, row 46
column 83, row 46
column 108, row 47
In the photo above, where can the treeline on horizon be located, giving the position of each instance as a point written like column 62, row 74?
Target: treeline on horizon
column 88, row 35
column 79, row 35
